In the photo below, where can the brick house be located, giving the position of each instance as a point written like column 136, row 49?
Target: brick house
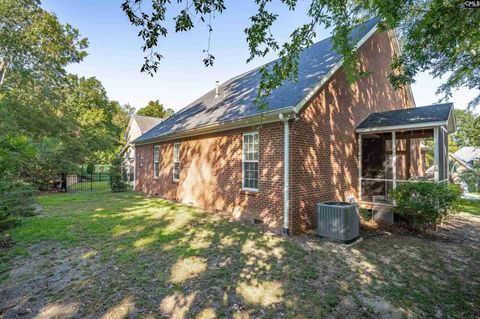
column 222, row 154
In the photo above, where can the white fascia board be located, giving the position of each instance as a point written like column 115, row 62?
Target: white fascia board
column 417, row 126
column 128, row 127
column 124, row 148
column 303, row 102
column 269, row 117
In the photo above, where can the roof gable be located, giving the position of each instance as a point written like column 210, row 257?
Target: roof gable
column 235, row 100
column 431, row 115
column 145, row 123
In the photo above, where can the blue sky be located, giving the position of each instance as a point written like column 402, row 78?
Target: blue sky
column 115, row 56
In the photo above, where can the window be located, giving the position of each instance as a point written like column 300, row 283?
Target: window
column 176, row 161
column 155, row 160
column 250, row 161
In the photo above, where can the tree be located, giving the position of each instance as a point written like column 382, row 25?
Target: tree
column 52, row 121
column 118, row 175
column 442, row 37
column 468, row 128
column 155, row 109
column 34, row 44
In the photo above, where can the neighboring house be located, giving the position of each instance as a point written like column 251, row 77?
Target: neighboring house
column 223, row 154
column 468, row 154
column 463, row 161
column 137, row 126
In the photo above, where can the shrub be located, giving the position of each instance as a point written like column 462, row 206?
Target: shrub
column 425, row 203
column 90, row 168
column 16, row 199
column 118, row 176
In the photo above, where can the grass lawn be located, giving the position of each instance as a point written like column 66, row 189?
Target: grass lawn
column 470, row 206
column 107, row 255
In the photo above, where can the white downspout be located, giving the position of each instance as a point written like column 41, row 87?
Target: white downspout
column 360, row 145
column 436, row 154
column 286, row 156
column 134, row 167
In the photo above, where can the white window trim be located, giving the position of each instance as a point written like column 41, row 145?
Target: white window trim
column 173, row 168
column 156, row 159
column 250, row 161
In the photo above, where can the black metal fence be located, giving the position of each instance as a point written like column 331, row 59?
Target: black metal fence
column 86, row 182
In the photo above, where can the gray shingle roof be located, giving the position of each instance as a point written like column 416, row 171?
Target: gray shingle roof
column 236, row 96
column 417, row 115
column 145, row 123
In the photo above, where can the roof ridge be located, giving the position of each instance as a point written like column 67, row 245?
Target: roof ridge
column 238, row 92
column 153, row 117
column 261, row 66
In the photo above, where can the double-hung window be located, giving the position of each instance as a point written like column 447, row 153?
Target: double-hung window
column 176, row 161
column 156, row 160
column 250, row 161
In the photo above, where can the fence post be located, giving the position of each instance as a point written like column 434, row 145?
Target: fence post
column 91, row 182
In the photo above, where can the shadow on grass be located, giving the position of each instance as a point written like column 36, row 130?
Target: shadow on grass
column 143, row 256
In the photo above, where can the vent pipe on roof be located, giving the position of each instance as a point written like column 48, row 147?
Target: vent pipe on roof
column 216, row 89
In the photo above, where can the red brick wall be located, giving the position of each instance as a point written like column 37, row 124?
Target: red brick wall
column 323, row 146
column 323, row 152
column 211, row 174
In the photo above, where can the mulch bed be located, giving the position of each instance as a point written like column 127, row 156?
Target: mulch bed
column 458, row 228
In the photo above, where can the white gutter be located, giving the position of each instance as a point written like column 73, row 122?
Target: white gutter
column 416, row 126
column 257, row 119
column 286, row 176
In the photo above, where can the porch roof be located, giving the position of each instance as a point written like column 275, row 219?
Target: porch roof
column 408, row 119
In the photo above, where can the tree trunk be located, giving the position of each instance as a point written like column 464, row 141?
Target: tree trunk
column 3, row 70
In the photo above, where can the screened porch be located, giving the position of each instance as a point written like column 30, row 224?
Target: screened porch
column 400, row 146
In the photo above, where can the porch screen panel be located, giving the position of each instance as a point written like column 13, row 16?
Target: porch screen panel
column 376, row 191
column 377, row 172
column 412, row 152
column 376, row 155
column 418, row 158
column 403, row 161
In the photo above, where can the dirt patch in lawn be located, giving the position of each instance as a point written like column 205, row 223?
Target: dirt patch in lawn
column 461, row 227
column 36, row 281
column 122, row 255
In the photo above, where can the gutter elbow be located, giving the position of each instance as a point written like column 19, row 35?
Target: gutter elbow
column 285, row 117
